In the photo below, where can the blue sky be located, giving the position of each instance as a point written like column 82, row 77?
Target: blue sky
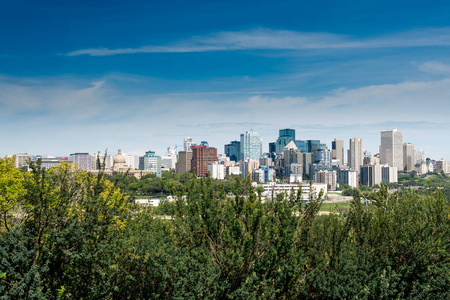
column 141, row 75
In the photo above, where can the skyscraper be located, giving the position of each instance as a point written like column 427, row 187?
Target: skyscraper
column 337, row 150
column 391, row 148
column 409, row 159
column 233, row 150
column 285, row 137
column 187, row 143
column 355, row 154
column 202, row 157
column 184, row 162
column 251, row 145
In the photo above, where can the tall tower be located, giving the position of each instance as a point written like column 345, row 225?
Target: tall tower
column 337, row 147
column 355, row 154
column 187, row 143
column 409, row 159
column 285, row 137
column 251, row 145
column 202, row 157
column 391, row 148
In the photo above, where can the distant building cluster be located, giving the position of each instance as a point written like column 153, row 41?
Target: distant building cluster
column 289, row 161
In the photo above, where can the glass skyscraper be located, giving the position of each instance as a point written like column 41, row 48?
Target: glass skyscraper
column 251, row 145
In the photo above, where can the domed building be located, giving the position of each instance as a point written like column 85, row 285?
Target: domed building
column 119, row 162
column 120, row 166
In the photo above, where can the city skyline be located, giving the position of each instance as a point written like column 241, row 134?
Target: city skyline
column 143, row 76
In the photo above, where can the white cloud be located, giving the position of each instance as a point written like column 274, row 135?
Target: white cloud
column 60, row 118
column 435, row 67
column 267, row 39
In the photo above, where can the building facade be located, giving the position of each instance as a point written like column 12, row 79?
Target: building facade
column 251, row 145
column 202, row 156
column 391, row 148
column 151, row 161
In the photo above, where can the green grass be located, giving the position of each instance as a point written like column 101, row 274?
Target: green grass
column 331, row 207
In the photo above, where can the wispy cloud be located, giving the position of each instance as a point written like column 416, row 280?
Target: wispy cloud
column 92, row 116
column 267, row 39
column 435, row 67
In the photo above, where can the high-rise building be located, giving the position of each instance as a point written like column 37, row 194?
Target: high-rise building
column 184, row 162
column 355, row 154
column 328, row 177
column 291, row 155
column 370, row 175
column 188, row 143
column 301, row 145
column 391, row 148
column 22, row 159
column 82, row 160
column 216, row 171
column 251, row 145
column 409, row 159
column 337, row 150
column 169, row 160
column 442, row 165
column 348, row 177
column 307, row 161
column 151, row 161
column 263, row 174
column 233, row 150
column 202, row 157
column 420, row 156
column 285, row 137
column 324, row 157
column 389, row 174
column 247, row 166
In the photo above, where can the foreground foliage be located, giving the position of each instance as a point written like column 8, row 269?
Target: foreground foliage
column 73, row 236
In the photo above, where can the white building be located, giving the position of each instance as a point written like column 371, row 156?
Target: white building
column 272, row 189
column 217, row 171
column 263, row 174
column 389, row 174
column 391, row 148
column 22, row 159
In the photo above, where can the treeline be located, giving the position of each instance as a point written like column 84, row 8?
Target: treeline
column 68, row 235
column 151, row 185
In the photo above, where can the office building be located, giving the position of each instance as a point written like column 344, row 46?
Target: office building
column 370, row 175
column 263, row 174
column 233, row 150
column 348, row 177
column 391, row 148
column 247, row 166
column 337, row 151
column 188, row 143
column 327, row 177
column 184, row 162
column 251, row 145
column 355, row 154
column 216, row 171
column 389, row 174
column 285, row 137
column 202, row 156
column 409, row 159
column 22, row 159
column 442, row 165
column 151, row 161
column 82, row 160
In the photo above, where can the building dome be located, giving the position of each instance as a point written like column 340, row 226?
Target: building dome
column 119, row 158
